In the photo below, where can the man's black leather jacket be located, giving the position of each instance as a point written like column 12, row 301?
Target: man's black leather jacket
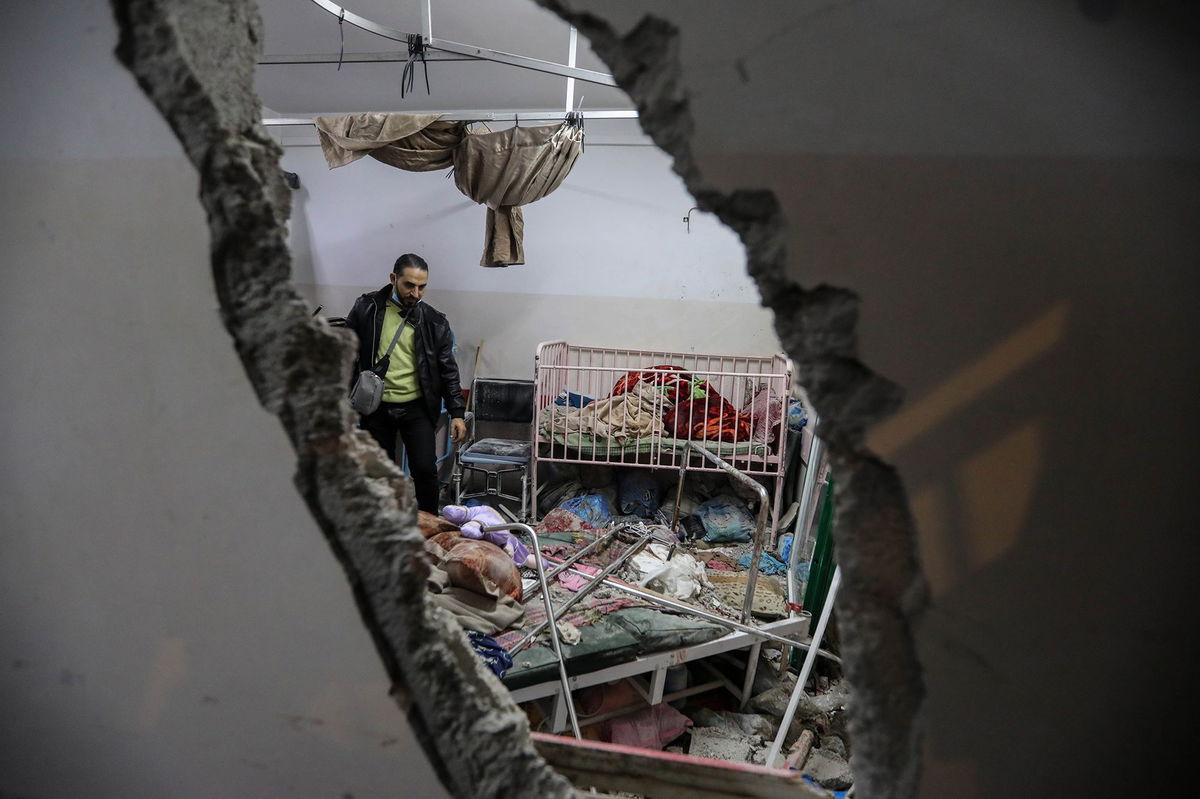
column 437, row 371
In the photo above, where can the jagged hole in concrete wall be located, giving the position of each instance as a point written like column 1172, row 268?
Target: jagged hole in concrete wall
column 883, row 590
column 195, row 60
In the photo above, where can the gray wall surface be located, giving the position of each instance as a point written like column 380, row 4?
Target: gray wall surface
column 172, row 622
column 1013, row 190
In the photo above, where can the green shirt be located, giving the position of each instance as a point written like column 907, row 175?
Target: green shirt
column 400, row 384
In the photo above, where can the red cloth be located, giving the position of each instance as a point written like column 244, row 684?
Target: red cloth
column 707, row 419
column 675, row 383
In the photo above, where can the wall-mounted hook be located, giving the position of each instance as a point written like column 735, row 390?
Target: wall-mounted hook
column 688, row 219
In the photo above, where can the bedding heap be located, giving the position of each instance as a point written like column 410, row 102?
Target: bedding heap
column 664, row 402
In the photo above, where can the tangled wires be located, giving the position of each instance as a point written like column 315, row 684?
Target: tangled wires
column 416, row 52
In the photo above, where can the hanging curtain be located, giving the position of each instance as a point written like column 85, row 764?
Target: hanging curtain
column 510, row 168
column 502, row 170
column 416, row 142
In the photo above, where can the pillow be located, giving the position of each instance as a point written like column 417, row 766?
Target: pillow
column 440, row 545
column 482, row 567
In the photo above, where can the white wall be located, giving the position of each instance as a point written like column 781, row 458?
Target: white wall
column 171, row 621
column 609, row 258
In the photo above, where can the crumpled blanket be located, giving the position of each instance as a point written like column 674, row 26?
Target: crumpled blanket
column 711, row 418
column 494, row 656
column 635, row 414
column 574, row 582
column 674, row 383
column 485, row 614
column 765, row 412
column 767, row 563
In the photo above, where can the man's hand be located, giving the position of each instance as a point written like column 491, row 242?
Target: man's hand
column 458, row 431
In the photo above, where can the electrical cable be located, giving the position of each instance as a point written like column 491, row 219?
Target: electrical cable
column 341, row 39
column 416, row 51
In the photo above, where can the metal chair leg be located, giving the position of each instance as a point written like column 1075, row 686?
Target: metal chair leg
column 525, row 494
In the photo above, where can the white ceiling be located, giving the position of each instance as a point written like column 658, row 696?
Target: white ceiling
column 300, row 27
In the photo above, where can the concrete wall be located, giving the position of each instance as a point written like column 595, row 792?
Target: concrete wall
column 609, row 259
column 1014, row 192
column 171, row 620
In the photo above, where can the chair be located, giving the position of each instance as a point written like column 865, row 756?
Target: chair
column 499, row 402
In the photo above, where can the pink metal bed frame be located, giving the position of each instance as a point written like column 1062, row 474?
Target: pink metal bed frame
column 593, row 371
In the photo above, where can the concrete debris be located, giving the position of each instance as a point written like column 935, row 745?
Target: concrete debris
column 831, row 700
column 719, row 744
column 774, row 701
column 759, row 748
column 829, row 770
column 568, row 633
column 767, row 676
column 835, row 745
column 735, row 724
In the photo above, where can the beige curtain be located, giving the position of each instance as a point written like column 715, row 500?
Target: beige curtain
column 415, row 142
column 502, row 170
column 510, row 168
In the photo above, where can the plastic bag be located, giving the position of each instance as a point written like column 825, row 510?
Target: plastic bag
column 595, row 509
column 638, row 493
column 725, row 520
column 797, row 417
column 680, row 577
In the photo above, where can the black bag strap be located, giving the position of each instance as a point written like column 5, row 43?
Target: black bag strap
column 382, row 362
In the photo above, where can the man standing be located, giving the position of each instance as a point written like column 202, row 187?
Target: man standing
column 420, row 374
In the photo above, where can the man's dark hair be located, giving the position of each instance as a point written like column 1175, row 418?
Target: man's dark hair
column 410, row 260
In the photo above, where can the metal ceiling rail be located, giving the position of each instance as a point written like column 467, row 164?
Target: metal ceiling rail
column 477, row 116
column 352, row 58
column 470, row 50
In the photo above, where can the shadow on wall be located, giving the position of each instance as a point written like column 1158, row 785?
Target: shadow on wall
column 300, row 237
column 989, row 521
column 1039, row 313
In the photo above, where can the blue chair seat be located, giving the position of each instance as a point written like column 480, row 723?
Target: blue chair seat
column 497, row 450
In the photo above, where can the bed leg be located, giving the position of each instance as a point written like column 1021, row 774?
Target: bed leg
column 678, row 497
column 657, row 683
column 558, row 714
column 751, row 670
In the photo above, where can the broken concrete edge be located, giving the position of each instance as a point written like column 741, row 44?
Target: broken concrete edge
column 195, row 62
column 883, row 591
